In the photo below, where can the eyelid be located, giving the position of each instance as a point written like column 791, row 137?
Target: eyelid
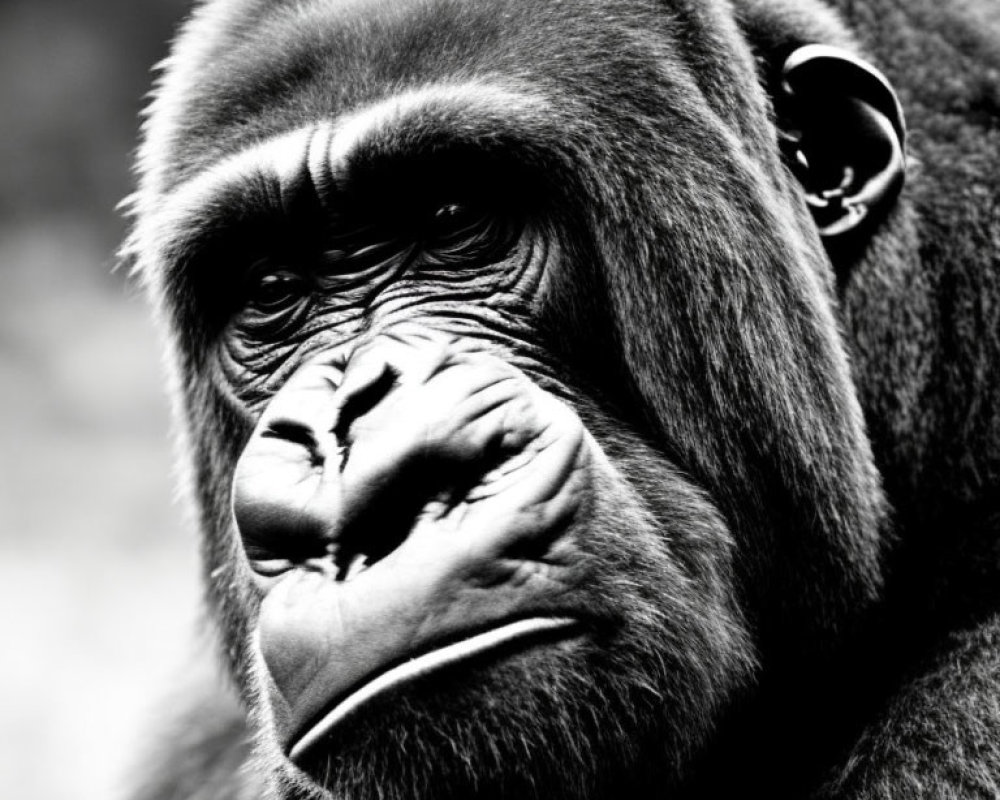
column 257, row 314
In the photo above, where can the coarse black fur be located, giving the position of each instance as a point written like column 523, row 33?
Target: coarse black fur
column 826, row 621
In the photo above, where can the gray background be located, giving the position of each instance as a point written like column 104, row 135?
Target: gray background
column 98, row 583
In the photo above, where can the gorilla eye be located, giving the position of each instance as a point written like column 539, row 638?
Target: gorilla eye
column 452, row 215
column 276, row 291
column 466, row 233
column 273, row 299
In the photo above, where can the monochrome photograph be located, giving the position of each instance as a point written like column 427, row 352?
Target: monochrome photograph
column 500, row 400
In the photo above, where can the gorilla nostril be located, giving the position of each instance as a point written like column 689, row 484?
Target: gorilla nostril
column 296, row 432
column 362, row 400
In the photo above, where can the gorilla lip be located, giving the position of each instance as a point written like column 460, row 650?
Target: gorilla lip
column 520, row 633
column 331, row 646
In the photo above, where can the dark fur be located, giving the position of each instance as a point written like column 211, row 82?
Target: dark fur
column 875, row 649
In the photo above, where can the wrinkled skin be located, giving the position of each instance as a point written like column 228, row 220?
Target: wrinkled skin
column 518, row 396
column 485, row 476
column 425, row 507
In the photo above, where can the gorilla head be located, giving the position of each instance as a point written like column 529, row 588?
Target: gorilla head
column 523, row 436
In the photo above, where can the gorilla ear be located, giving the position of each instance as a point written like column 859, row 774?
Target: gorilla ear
column 843, row 134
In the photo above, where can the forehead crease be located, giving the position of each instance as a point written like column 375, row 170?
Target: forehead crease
column 401, row 118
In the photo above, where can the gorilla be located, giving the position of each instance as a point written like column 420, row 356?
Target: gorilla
column 575, row 401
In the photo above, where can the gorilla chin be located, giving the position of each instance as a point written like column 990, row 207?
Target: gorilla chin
column 493, row 642
column 489, row 712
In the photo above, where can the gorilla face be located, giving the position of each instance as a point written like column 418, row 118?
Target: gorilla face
column 443, row 550
column 521, row 429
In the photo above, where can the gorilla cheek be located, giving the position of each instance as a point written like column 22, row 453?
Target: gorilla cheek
column 419, row 508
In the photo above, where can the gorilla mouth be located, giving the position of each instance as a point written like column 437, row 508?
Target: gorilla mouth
column 516, row 635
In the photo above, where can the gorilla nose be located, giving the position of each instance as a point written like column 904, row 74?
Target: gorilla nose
column 293, row 502
column 343, row 462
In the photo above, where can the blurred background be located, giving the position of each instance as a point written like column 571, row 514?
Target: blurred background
column 98, row 572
